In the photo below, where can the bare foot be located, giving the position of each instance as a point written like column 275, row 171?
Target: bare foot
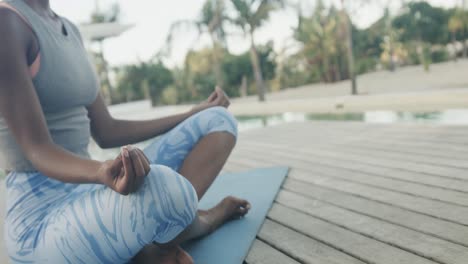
column 229, row 208
column 156, row 255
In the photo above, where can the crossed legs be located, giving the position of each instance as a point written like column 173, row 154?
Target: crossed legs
column 201, row 167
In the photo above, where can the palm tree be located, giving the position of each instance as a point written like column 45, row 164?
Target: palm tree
column 251, row 14
column 455, row 25
column 211, row 21
column 320, row 37
column 110, row 16
column 349, row 47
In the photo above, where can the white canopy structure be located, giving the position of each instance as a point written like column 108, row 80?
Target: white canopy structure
column 101, row 31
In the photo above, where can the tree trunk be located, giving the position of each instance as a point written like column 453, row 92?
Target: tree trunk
column 243, row 88
column 454, row 43
column 326, row 64
column 352, row 73
column 105, row 83
column 349, row 47
column 465, row 48
column 217, row 62
column 257, row 69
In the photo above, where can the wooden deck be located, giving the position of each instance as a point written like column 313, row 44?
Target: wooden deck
column 361, row 193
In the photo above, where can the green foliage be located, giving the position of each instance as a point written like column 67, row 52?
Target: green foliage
column 323, row 37
column 440, row 55
column 136, row 82
column 107, row 16
column 237, row 66
column 416, row 35
column 253, row 13
column 211, row 21
column 422, row 22
column 295, row 72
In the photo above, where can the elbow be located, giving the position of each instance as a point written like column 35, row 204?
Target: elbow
column 103, row 143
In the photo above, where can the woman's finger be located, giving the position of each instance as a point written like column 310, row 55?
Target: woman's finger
column 145, row 165
column 145, row 161
column 125, row 181
column 138, row 169
column 212, row 96
column 129, row 175
column 143, row 156
column 117, row 164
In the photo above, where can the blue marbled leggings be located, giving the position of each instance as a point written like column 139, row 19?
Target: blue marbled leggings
column 52, row 222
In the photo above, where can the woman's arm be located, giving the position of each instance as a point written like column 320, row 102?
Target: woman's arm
column 20, row 107
column 109, row 132
column 22, row 112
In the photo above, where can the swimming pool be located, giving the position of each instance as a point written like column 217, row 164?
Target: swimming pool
column 446, row 117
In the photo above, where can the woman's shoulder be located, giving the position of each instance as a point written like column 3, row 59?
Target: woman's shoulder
column 14, row 26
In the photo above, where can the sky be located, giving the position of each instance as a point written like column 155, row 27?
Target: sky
column 153, row 18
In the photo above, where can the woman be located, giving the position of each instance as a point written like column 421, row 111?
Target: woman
column 63, row 207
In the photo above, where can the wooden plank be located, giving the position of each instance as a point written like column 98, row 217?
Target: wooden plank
column 261, row 253
column 418, row 243
column 240, row 155
column 325, row 172
column 401, row 148
column 428, row 169
column 398, row 173
column 420, row 139
column 449, row 212
column 361, row 149
column 453, row 213
column 436, row 134
column 344, row 134
column 449, row 231
column 364, row 248
column 302, row 248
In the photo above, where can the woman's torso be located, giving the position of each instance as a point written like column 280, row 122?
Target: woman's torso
column 65, row 84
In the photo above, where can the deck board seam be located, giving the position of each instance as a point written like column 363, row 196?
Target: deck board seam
column 320, row 240
column 303, row 170
column 368, row 164
column 372, row 216
column 393, row 205
column 239, row 162
column 279, row 249
column 363, row 234
column 372, row 145
column 391, row 190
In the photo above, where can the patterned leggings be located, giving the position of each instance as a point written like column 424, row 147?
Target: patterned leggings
column 53, row 222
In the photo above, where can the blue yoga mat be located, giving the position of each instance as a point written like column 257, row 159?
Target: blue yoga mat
column 231, row 243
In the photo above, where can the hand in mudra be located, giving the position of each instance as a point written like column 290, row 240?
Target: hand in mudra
column 217, row 98
column 126, row 173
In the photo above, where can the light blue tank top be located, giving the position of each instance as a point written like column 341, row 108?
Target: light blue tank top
column 66, row 83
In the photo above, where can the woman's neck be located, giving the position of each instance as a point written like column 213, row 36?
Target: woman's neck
column 41, row 6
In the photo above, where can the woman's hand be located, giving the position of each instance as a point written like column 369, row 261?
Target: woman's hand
column 126, row 173
column 217, row 98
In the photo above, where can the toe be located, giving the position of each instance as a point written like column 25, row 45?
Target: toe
column 183, row 257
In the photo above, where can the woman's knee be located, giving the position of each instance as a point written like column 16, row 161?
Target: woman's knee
column 178, row 201
column 219, row 119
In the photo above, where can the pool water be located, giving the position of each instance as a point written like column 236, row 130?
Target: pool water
column 446, row 117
